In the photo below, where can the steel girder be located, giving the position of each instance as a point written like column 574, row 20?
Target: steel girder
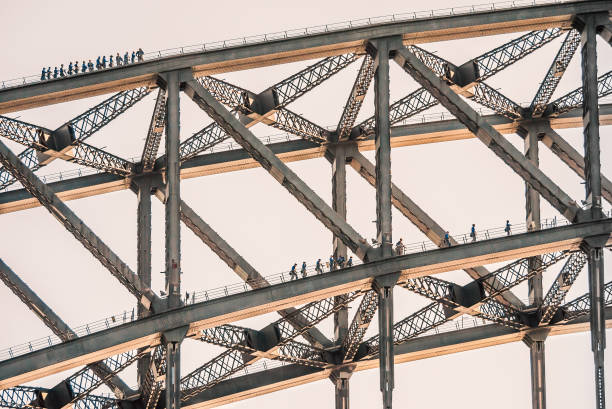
column 299, row 83
column 466, row 76
column 361, row 321
column 239, row 355
column 580, row 306
column 418, row 217
column 73, row 133
column 277, row 169
column 244, row 269
column 356, row 97
column 562, row 284
column 100, row 369
column 74, row 225
column 573, row 159
column 156, row 130
column 555, row 73
column 488, row 135
column 145, row 332
column 154, row 380
column 491, row 98
column 268, row 106
column 574, row 98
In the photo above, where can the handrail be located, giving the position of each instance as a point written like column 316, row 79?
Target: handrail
column 242, row 287
column 309, row 31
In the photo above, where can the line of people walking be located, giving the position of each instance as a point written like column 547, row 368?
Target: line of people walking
column 474, row 234
column 89, row 66
column 332, row 264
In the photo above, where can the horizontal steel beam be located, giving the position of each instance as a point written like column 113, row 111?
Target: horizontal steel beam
column 295, row 49
column 235, row 160
column 147, row 331
column 271, row 380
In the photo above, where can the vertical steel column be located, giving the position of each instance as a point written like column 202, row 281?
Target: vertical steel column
column 173, row 238
column 532, row 210
column 537, row 359
column 536, row 293
column 383, row 149
column 340, row 250
column 173, row 197
column 341, row 383
column 590, row 119
column 144, row 259
column 384, row 287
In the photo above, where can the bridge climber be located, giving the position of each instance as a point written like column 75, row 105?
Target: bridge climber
column 153, row 339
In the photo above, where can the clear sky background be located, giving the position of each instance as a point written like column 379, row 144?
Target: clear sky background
column 457, row 183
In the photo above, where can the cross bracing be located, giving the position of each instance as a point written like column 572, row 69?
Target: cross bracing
column 153, row 335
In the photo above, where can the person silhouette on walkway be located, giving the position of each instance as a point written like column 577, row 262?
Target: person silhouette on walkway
column 43, row 75
column 140, row 55
column 349, row 263
column 473, row 232
column 62, row 70
column 303, row 271
column 70, row 68
column 508, row 228
column 48, row 73
column 293, row 273
column 318, row 267
column 447, row 239
column 399, row 247
column 55, row 72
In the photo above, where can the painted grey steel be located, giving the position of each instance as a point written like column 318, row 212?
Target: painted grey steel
column 58, row 327
column 487, row 134
column 245, row 270
column 294, row 292
column 572, row 158
column 277, row 169
column 592, row 170
column 82, row 233
column 143, row 258
column 492, row 20
column 420, row 219
column 338, row 246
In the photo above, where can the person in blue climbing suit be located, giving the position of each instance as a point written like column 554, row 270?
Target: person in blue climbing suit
column 140, row 55
column 318, row 267
column 55, row 72
column 508, row 228
column 62, row 72
column 473, row 232
column 133, row 57
column 76, row 67
column 293, row 272
column 48, row 73
column 349, row 263
column 126, row 58
column 303, row 270
column 399, row 247
column 104, row 61
column 70, row 68
column 98, row 63
column 111, row 63
column 43, row 75
column 340, row 261
column 447, row 239
column 119, row 60
column 332, row 263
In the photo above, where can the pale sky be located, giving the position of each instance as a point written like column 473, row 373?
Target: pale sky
column 457, row 183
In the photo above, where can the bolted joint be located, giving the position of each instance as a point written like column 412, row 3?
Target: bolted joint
column 469, row 294
column 175, row 336
column 59, row 140
column 594, row 243
column 386, row 281
column 540, row 127
column 534, row 336
column 389, row 43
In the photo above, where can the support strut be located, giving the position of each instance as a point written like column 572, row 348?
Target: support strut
column 593, row 247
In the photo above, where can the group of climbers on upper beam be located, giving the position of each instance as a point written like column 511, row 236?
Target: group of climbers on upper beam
column 101, row 64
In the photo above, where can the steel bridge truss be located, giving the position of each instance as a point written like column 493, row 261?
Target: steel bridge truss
column 302, row 353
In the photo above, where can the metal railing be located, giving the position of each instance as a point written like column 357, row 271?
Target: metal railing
column 309, row 31
column 192, row 297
